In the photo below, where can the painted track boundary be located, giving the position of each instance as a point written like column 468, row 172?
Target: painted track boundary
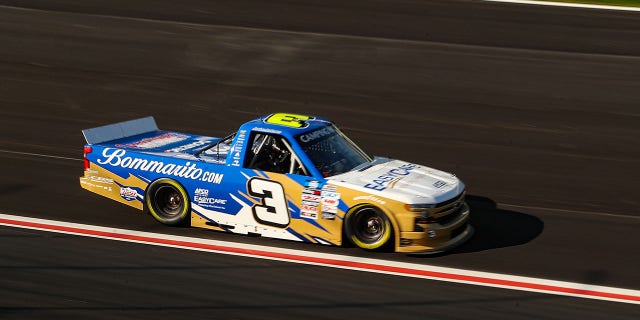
column 568, row 5
column 538, row 285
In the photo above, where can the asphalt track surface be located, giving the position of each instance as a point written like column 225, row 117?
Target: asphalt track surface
column 535, row 108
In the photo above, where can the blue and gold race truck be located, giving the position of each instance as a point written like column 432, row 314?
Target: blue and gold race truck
column 285, row 176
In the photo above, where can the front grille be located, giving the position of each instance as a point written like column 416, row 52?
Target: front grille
column 450, row 201
column 447, row 217
column 445, row 213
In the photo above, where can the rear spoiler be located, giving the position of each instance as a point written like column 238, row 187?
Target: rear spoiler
column 120, row 130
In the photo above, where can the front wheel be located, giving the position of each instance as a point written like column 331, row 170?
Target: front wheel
column 368, row 227
column 167, row 202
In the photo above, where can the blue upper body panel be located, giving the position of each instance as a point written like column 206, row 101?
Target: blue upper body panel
column 220, row 151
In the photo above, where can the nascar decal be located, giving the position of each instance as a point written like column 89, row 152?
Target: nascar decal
column 382, row 182
column 118, row 158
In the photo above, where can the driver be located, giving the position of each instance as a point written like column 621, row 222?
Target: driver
column 274, row 156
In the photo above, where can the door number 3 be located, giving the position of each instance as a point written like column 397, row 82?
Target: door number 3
column 273, row 209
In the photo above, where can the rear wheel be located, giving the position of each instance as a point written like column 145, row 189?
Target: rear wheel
column 368, row 227
column 167, row 202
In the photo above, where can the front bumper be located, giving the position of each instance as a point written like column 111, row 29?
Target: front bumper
column 435, row 237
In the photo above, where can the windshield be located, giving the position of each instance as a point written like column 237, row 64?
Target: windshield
column 331, row 152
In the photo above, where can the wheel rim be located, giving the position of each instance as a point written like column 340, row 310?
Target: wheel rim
column 369, row 226
column 169, row 201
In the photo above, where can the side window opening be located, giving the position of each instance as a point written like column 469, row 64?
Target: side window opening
column 274, row 154
column 218, row 152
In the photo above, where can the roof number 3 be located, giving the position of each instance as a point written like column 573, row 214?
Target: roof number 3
column 288, row 119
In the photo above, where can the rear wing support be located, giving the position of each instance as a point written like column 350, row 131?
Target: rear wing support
column 120, row 130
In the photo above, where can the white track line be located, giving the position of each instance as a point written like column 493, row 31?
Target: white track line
column 487, row 279
column 568, row 5
column 38, row 155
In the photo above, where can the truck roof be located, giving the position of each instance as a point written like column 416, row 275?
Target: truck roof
column 287, row 124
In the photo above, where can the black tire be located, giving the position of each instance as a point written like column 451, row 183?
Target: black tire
column 368, row 227
column 168, row 202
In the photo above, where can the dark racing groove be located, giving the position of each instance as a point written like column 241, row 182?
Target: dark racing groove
column 530, row 106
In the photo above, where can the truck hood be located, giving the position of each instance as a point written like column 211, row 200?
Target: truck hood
column 402, row 181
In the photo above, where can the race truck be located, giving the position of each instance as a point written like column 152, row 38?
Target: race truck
column 285, row 176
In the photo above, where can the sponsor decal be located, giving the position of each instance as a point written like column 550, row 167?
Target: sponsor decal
column 382, row 182
column 329, row 188
column 330, row 202
column 311, row 197
column 201, row 197
column 92, row 185
column 155, row 142
column 323, row 132
column 310, row 203
column 311, row 191
column 328, row 215
column 313, row 216
column 210, row 201
column 235, row 150
column 330, row 195
column 330, row 209
column 307, row 211
column 118, row 158
column 128, row 193
column 439, row 184
column 313, row 184
column 370, row 198
column 99, row 179
column 201, row 192
column 189, row 146
column 267, row 130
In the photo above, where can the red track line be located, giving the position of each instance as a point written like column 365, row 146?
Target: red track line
column 329, row 262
